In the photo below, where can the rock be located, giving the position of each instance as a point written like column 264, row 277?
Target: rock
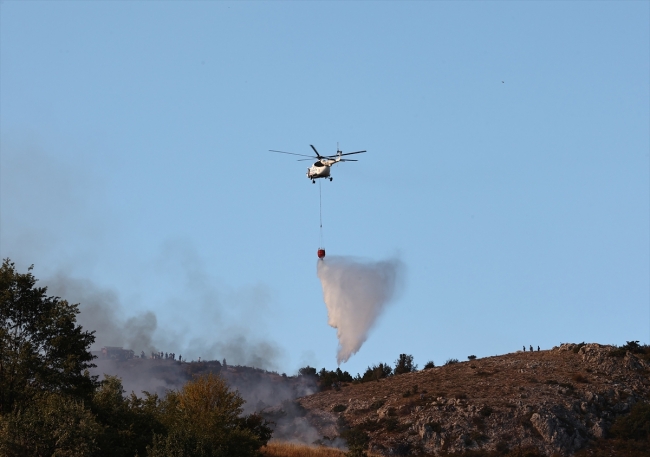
column 598, row 429
column 425, row 432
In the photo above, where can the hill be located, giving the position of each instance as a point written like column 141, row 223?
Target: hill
column 551, row 402
column 260, row 388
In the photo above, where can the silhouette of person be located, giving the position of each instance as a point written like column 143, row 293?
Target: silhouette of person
column 537, row 348
column 531, row 348
column 524, row 348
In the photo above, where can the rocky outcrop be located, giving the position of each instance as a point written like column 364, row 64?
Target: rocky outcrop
column 555, row 401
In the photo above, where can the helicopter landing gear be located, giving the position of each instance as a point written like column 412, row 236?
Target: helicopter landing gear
column 313, row 181
column 331, row 179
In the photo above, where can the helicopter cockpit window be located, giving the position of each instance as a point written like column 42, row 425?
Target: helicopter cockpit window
column 318, row 164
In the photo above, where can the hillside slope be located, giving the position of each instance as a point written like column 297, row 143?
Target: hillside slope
column 555, row 401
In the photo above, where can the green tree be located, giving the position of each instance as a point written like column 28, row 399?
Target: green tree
column 307, row 371
column 129, row 423
column 52, row 424
column 404, row 364
column 204, row 419
column 375, row 373
column 42, row 349
column 326, row 379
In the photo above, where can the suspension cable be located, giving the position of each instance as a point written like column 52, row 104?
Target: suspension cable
column 320, row 212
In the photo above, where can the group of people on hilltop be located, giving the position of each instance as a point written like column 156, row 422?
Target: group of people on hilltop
column 531, row 348
column 162, row 355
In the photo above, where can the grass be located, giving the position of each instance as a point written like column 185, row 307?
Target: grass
column 282, row 449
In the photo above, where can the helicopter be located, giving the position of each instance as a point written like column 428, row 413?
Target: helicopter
column 321, row 168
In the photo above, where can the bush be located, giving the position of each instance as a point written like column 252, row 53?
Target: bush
column 578, row 377
column 471, row 357
column 577, row 347
column 51, row 424
column 357, row 441
column 375, row 373
column 451, row 361
column 635, row 426
column 404, row 364
column 633, row 347
column 307, row 371
column 429, row 364
column 204, row 419
column 339, row 408
column 486, row 411
column 329, row 379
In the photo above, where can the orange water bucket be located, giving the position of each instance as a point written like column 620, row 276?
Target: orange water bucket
column 321, row 253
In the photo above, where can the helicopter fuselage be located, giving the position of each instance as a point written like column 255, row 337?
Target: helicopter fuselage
column 320, row 169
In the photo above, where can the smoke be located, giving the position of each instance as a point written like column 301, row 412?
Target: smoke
column 101, row 311
column 204, row 329
column 356, row 293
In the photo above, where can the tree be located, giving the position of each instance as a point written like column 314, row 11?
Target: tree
column 129, row 423
column 204, row 419
column 51, row 424
column 307, row 371
column 404, row 364
column 328, row 379
column 42, row 349
column 375, row 373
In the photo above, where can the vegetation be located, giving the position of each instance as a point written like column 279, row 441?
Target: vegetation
column 404, row 364
column 41, row 347
column 329, row 379
column 429, row 364
column 451, row 361
column 471, row 357
column 278, row 449
column 629, row 436
column 51, row 406
column 375, row 373
column 642, row 350
column 577, row 347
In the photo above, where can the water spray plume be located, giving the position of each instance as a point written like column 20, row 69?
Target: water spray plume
column 356, row 293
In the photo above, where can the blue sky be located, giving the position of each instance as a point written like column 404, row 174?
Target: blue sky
column 134, row 158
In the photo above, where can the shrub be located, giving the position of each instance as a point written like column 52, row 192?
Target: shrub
column 635, row 425
column 486, row 411
column 634, row 347
column 471, row 357
column 451, row 361
column 204, row 419
column 578, row 377
column 357, row 441
column 429, row 364
column 339, row 408
column 375, row 373
column 307, row 371
column 435, row 426
column 51, row 424
column 329, row 379
column 577, row 347
column 404, row 364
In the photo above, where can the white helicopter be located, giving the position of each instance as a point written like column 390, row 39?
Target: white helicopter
column 321, row 168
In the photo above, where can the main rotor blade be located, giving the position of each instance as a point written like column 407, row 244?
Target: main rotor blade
column 350, row 153
column 292, row 153
column 348, row 160
column 317, row 154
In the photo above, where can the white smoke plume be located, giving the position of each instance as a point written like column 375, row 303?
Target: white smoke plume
column 356, row 292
